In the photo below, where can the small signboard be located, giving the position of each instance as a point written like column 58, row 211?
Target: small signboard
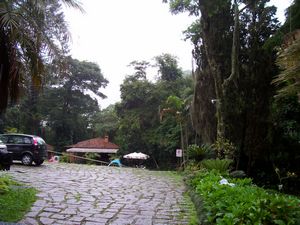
column 179, row 153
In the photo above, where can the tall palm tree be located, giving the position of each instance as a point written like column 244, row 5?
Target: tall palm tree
column 32, row 34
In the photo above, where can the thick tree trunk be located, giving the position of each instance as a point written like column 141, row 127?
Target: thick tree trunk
column 203, row 111
column 213, row 47
column 4, row 71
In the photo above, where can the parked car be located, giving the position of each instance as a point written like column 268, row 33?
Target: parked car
column 5, row 157
column 26, row 148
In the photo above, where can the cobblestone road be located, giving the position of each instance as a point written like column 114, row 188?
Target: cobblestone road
column 88, row 195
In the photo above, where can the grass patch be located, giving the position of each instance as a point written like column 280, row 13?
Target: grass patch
column 176, row 176
column 191, row 210
column 15, row 199
column 77, row 197
column 188, row 207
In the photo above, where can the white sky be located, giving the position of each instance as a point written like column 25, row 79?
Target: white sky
column 114, row 33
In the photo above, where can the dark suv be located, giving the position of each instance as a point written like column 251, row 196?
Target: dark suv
column 27, row 148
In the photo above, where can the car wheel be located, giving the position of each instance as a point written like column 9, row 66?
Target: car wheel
column 27, row 160
column 7, row 167
column 39, row 162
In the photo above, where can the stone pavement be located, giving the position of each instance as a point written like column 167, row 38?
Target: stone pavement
column 90, row 195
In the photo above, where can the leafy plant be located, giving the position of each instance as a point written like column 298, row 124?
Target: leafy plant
column 192, row 166
column 221, row 165
column 91, row 155
column 243, row 203
column 64, row 158
column 11, row 130
column 199, row 153
column 224, row 148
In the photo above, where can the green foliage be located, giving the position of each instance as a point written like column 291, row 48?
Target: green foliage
column 224, row 148
column 106, row 122
column 288, row 61
column 92, row 156
column 15, row 200
column 286, row 117
column 243, row 203
column 199, row 153
column 140, row 68
column 64, row 158
column 175, row 103
column 140, row 127
column 177, row 6
column 5, row 182
column 191, row 167
column 285, row 141
column 221, row 165
column 11, row 130
column 32, row 35
column 168, row 67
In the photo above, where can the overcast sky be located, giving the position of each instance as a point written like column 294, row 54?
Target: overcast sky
column 114, row 33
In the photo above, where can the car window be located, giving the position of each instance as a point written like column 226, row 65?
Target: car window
column 17, row 140
column 10, row 140
column 27, row 140
column 41, row 141
column 3, row 138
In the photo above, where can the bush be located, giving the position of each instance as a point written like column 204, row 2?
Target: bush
column 64, row 158
column 221, row 165
column 92, row 156
column 224, row 148
column 199, row 153
column 243, row 203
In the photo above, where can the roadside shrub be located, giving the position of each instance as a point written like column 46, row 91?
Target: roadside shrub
column 242, row 203
column 221, row 165
column 199, row 153
column 64, row 158
column 91, row 155
column 224, row 149
column 192, row 166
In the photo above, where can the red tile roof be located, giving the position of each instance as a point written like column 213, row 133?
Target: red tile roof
column 99, row 143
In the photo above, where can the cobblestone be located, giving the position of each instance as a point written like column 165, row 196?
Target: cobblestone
column 95, row 195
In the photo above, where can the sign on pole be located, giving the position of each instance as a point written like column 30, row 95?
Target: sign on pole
column 179, row 153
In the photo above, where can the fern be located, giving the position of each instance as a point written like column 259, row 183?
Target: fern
column 199, row 153
column 221, row 165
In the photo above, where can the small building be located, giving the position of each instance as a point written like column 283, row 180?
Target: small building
column 101, row 146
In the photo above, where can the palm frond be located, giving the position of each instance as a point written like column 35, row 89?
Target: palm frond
column 75, row 4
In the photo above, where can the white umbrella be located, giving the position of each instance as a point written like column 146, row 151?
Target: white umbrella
column 136, row 155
